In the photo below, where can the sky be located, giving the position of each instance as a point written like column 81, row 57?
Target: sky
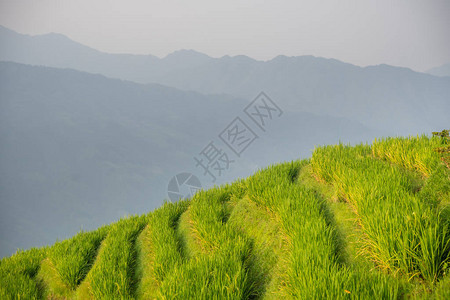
column 407, row 33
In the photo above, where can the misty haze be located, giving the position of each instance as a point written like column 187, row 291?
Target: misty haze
column 107, row 108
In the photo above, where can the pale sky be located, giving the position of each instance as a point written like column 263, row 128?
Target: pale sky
column 409, row 33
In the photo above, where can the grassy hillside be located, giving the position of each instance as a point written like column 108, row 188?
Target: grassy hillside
column 93, row 156
column 363, row 222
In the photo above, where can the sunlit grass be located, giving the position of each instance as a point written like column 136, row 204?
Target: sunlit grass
column 404, row 232
column 69, row 261
column 112, row 275
column 159, row 250
column 18, row 272
column 362, row 222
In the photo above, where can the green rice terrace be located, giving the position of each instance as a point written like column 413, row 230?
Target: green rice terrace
column 359, row 222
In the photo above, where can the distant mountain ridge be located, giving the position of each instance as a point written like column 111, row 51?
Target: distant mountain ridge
column 382, row 97
column 443, row 70
column 57, row 50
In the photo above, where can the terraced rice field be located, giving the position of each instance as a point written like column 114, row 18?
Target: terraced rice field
column 362, row 222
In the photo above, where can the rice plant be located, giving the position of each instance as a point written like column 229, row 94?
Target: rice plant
column 218, row 256
column 403, row 232
column 18, row 275
column 282, row 233
column 312, row 269
column 159, row 249
column 113, row 272
column 69, row 261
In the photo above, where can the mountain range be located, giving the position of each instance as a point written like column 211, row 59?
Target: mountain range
column 94, row 136
column 443, row 70
column 382, row 97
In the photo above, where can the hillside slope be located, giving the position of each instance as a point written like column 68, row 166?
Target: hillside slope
column 369, row 222
column 95, row 149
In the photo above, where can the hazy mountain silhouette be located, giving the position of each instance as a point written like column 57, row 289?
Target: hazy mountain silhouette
column 443, row 70
column 57, row 50
column 397, row 100
column 78, row 150
column 384, row 97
